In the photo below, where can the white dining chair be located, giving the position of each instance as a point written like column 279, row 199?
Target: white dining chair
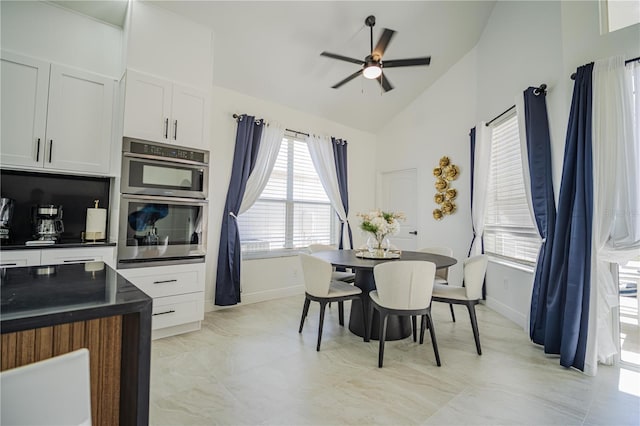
column 55, row 391
column 404, row 289
column 442, row 274
column 319, row 287
column 348, row 277
column 470, row 294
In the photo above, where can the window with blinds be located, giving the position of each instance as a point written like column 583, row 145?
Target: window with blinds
column 293, row 210
column 509, row 230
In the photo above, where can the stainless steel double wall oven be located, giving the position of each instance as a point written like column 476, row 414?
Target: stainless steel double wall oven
column 163, row 204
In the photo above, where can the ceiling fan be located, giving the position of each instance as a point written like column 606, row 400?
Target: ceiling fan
column 373, row 64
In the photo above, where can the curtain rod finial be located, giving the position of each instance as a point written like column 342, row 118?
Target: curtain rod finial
column 541, row 89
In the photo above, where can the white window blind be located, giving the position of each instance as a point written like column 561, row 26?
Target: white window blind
column 509, row 230
column 293, row 210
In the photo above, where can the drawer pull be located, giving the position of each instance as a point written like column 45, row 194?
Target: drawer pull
column 165, row 281
column 9, row 264
column 79, row 260
column 164, row 313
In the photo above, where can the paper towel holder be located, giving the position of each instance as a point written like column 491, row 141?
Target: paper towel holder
column 95, row 224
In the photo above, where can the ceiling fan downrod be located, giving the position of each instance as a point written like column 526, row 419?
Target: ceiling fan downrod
column 370, row 21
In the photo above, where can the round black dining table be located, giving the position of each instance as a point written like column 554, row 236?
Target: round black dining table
column 397, row 327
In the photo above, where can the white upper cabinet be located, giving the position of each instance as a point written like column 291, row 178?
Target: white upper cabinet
column 79, row 121
column 147, row 107
column 54, row 117
column 25, row 87
column 161, row 111
column 190, row 111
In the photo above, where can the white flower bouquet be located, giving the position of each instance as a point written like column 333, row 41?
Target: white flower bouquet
column 381, row 224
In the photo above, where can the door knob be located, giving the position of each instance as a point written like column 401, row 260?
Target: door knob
column 413, row 232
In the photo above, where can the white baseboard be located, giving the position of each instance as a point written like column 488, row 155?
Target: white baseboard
column 506, row 311
column 260, row 296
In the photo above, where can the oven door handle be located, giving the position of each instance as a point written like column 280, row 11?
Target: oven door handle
column 169, row 200
column 164, row 160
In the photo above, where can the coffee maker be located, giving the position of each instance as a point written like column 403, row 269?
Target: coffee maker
column 6, row 215
column 47, row 222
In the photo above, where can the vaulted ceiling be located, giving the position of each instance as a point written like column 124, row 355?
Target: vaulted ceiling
column 271, row 50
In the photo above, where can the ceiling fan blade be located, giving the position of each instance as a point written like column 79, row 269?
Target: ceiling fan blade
column 346, row 80
column 383, row 42
column 342, row 58
column 384, row 82
column 406, row 62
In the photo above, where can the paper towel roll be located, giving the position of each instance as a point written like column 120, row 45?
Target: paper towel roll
column 96, row 224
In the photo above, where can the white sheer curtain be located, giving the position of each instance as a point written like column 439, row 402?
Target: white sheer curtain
column 616, row 200
column 321, row 152
column 524, row 154
column 526, row 175
column 270, row 142
column 481, row 171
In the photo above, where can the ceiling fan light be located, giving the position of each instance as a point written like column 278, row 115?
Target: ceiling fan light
column 372, row 72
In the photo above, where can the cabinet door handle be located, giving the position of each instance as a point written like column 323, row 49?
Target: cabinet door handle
column 175, row 130
column 8, row 264
column 165, row 281
column 50, row 149
column 413, row 232
column 38, row 151
column 166, row 128
column 79, row 260
column 164, row 313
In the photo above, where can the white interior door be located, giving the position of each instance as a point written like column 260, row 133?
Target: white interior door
column 398, row 193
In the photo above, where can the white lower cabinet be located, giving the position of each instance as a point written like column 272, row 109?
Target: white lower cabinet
column 56, row 256
column 77, row 255
column 176, row 311
column 178, row 296
column 17, row 258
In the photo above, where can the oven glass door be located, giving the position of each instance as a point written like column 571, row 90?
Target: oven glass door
column 161, row 227
column 164, row 178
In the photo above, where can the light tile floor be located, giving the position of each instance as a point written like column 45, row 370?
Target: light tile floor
column 248, row 365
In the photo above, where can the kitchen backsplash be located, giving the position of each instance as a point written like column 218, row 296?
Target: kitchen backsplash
column 74, row 193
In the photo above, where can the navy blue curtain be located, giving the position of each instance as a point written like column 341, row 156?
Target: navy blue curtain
column 472, row 135
column 544, row 206
column 244, row 158
column 567, row 316
column 340, row 158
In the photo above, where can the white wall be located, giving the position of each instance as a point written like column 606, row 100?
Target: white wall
column 436, row 124
column 264, row 279
column 168, row 45
column 524, row 44
column 52, row 33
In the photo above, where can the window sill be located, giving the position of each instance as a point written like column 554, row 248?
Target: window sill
column 512, row 264
column 273, row 254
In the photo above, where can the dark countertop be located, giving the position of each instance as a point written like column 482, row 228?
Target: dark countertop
column 20, row 245
column 72, row 292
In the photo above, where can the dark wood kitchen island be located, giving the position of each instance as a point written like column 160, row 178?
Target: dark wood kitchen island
column 47, row 311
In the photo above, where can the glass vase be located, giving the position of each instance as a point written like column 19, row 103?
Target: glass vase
column 377, row 245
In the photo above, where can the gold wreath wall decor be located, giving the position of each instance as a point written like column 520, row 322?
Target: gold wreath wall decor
column 445, row 174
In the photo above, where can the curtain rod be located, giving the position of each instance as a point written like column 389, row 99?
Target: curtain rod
column 237, row 116
column 628, row 61
column 540, row 89
column 297, row 132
